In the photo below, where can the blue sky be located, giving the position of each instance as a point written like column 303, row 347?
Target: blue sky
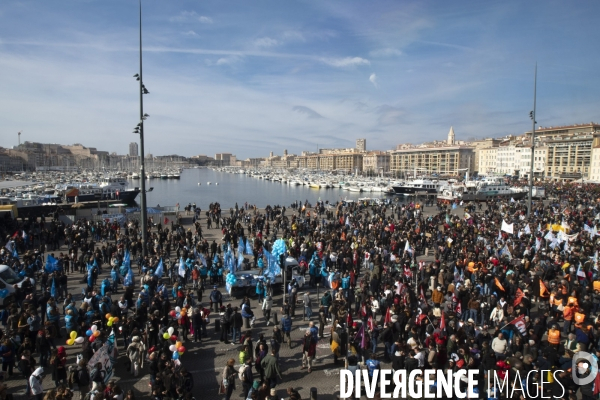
column 249, row 77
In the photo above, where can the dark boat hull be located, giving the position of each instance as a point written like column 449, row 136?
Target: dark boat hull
column 126, row 196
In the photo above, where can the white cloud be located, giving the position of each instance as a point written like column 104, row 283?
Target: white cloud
column 191, row 16
column 265, row 42
column 230, row 60
column 346, row 62
column 373, row 79
column 386, row 52
column 190, row 33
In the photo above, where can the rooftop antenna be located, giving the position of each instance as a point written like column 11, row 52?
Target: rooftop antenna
column 20, row 137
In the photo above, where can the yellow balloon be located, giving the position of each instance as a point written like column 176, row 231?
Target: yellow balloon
column 73, row 335
column 109, row 323
column 166, row 335
column 70, row 342
column 178, row 344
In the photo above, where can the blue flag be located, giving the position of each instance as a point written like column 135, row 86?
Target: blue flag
column 240, row 259
column 14, row 253
column 248, row 247
column 128, row 281
column 159, row 269
column 202, row 259
column 51, row 264
column 127, row 259
column 181, row 268
column 273, row 269
column 53, row 288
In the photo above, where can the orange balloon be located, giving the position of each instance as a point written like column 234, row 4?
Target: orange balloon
column 108, row 316
column 97, row 333
column 115, row 319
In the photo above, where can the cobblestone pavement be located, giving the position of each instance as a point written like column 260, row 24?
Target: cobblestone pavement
column 206, row 360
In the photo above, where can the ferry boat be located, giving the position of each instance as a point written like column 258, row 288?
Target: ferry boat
column 420, row 186
column 109, row 188
column 493, row 187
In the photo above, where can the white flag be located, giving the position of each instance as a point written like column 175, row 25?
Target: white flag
column 527, row 230
column 508, row 228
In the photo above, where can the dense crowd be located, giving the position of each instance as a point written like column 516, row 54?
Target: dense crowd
column 451, row 287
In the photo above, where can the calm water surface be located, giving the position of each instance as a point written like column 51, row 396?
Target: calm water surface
column 234, row 188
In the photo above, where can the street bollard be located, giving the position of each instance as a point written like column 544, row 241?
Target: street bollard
column 313, row 393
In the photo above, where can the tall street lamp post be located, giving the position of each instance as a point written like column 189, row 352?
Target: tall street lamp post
column 140, row 130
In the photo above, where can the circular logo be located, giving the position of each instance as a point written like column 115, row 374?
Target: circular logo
column 582, row 362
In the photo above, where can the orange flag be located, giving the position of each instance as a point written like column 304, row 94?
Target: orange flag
column 518, row 296
column 499, row 285
column 543, row 290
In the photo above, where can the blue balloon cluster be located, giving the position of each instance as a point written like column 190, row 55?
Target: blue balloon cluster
column 3, row 293
column 278, row 248
column 230, row 281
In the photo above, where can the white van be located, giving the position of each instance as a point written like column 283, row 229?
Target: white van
column 8, row 278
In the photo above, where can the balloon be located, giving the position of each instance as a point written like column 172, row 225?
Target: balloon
column 180, row 353
column 175, row 355
column 166, row 336
column 173, row 337
column 181, row 349
column 109, row 323
column 184, row 310
column 3, row 293
column 92, row 338
column 115, row 319
column 79, row 340
column 177, row 345
column 89, row 332
column 178, row 316
column 172, row 347
column 108, row 316
column 173, row 313
column 94, row 328
column 73, row 335
column 97, row 333
column 177, row 309
column 171, row 330
column 70, row 342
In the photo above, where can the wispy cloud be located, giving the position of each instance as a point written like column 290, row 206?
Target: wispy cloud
column 390, row 115
column 373, row 79
column 191, row 16
column 309, row 112
column 386, row 52
column 190, row 33
column 346, row 62
column 229, row 60
column 265, row 42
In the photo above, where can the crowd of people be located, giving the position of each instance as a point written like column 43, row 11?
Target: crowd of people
column 450, row 287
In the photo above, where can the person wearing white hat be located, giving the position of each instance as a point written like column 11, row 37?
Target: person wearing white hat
column 35, row 382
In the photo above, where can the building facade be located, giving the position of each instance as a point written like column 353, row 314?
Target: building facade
column 361, row 144
column 487, row 161
column 569, row 157
column 375, row 162
column 443, row 161
column 133, row 149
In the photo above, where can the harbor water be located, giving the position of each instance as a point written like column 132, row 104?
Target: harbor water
column 228, row 188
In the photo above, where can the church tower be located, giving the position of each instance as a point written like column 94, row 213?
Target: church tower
column 451, row 136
